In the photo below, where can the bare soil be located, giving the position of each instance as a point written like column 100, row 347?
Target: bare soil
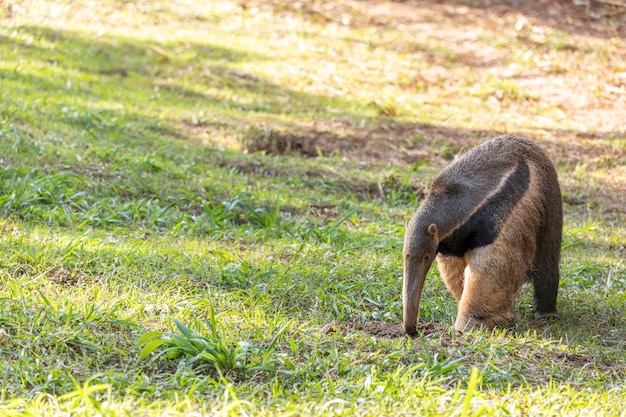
column 388, row 330
column 592, row 96
column 581, row 74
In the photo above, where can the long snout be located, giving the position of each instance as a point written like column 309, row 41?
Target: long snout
column 413, row 284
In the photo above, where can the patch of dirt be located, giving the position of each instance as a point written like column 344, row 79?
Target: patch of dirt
column 381, row 329
column 275, row 142
column 68, row 278
column 594, row 367
column 391, row 141
column 596, row 18
column 324, row 211
column 389, row 330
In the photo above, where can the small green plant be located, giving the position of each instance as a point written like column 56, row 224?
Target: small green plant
column 215, row 351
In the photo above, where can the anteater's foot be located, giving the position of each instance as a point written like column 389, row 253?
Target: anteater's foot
column 468, row 321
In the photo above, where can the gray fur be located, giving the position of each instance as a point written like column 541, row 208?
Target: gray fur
column 502, row 201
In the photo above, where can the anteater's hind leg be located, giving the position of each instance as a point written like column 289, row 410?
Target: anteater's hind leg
column 493, row 276
column 452, row 269
column 545, row 271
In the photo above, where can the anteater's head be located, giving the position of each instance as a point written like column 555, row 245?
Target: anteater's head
column 420, row 247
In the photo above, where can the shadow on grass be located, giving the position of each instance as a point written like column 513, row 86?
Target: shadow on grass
column 147, row 79
column 145, row 94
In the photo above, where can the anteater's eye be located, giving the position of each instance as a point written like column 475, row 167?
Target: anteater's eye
column 426, row 258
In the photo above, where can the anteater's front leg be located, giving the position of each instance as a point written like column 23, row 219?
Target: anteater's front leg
column 452, row 270
column 493, row 275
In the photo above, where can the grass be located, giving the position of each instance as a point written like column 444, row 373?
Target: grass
column 202, row 210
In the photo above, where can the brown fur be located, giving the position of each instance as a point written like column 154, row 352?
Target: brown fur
column 485, row 279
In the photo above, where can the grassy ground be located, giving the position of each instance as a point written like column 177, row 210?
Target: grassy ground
column 202, row 206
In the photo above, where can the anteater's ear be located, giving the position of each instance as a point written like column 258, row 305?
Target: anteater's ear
column 432, row 230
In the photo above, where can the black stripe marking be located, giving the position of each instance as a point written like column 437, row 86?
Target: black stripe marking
column 483, row 227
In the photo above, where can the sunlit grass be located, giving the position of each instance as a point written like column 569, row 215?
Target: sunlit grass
column 202, row 210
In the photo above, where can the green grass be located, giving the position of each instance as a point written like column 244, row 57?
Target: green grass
column 202, row 211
